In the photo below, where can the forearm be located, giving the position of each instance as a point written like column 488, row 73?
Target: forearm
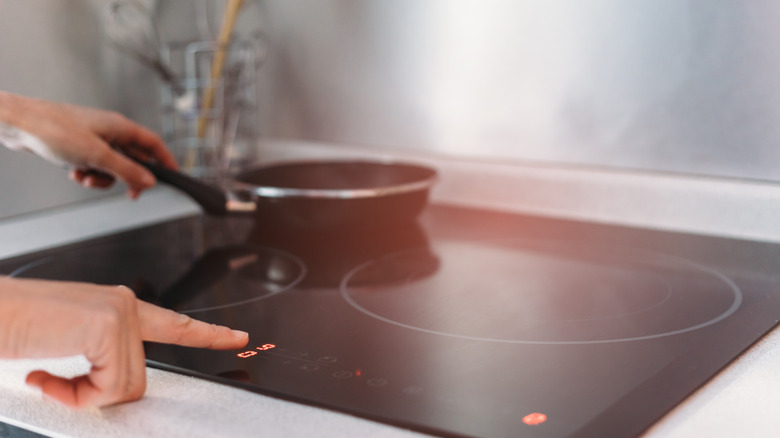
column 13, row 134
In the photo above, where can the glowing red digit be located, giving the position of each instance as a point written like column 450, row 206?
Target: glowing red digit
column 246, row 354
column 266, row 347
column 534, row 419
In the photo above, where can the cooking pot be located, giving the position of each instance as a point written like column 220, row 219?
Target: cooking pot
column 314, row 193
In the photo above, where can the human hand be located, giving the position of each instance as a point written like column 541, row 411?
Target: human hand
column 106, row 324
column 88, row 140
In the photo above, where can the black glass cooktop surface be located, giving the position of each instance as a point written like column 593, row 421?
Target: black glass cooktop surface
column 465, row 322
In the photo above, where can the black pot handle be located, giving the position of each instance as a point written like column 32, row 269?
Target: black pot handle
column 212, row 199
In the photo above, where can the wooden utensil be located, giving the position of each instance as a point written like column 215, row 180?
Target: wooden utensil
column 217, row 65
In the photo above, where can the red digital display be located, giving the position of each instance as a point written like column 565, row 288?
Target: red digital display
column 251, row 353
column 534, row 419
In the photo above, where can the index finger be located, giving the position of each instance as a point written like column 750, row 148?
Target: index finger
column 169, row 327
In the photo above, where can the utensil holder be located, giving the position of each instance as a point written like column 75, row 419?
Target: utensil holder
column 228, row 134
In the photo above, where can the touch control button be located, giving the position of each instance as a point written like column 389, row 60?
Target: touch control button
column 309, row 367
column 342, row 374
column 413, row 390
column 377, row 381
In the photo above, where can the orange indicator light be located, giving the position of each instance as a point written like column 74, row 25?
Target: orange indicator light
column 266, row 347
column 246, row 354
column 534, row 419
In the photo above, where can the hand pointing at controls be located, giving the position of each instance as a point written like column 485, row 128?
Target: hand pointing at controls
column 106, row 324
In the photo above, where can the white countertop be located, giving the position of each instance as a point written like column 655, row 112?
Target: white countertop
column 740, row 401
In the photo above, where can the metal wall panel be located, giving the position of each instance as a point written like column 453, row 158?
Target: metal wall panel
column 670, row 85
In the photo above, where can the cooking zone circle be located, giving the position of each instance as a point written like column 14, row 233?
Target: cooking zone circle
column 543, row 292
column 173, row 277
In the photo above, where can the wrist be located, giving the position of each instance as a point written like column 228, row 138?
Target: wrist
column 12, row 127
column 5, row 283
column 8, row 102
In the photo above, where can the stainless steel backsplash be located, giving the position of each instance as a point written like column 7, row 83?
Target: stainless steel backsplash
column 670, row 85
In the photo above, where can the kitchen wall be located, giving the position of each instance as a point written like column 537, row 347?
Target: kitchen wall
column 664, row 85
column 670, row 85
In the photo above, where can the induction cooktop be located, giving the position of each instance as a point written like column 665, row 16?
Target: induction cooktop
column 462, row 323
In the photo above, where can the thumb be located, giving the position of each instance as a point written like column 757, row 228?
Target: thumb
column 77, row 392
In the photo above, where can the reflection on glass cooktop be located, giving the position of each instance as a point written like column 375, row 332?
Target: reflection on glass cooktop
column 465, row 323
column 545, row 292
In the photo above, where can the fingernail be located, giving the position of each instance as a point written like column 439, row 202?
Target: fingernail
column 240, row 334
